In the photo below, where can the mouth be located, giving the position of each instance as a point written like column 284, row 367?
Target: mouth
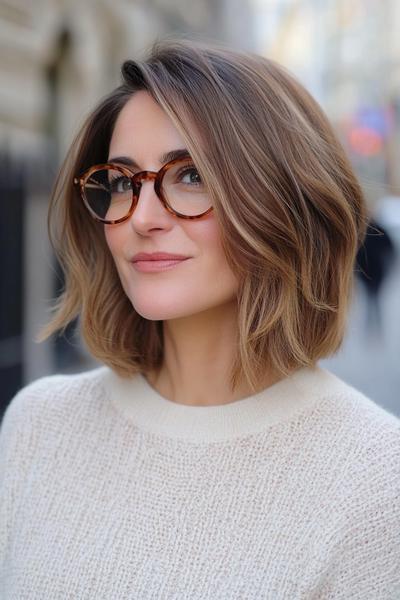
column 152, row 266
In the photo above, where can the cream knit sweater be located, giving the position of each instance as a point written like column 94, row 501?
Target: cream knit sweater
column 110, row 491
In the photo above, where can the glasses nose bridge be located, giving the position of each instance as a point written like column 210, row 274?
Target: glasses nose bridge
column 144, row 176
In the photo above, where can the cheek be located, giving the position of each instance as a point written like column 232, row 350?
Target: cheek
column 213, row 265
column 114, row 241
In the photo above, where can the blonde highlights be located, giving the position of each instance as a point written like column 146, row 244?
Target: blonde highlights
column 291, row 212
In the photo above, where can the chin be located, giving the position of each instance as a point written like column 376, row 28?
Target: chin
column 156, row 313
column 166, row 313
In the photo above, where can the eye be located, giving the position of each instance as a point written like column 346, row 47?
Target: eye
column 120, row 184
column 190, row 175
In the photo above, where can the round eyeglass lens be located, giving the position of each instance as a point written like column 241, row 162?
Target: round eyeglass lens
column 109, row 194
column 184, row 190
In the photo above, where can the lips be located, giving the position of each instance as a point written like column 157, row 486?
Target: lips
column 157, row 256
column 155, row 266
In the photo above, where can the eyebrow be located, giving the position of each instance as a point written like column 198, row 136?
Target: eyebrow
column 164, row 158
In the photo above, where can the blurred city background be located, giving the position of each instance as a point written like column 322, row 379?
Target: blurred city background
column 58, row 57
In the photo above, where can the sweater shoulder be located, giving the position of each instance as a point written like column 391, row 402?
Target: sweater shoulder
column 367, row 433
column 51, row 396
column 359, row 411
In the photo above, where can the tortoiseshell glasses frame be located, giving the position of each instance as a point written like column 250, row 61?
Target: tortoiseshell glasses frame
column 135, row 178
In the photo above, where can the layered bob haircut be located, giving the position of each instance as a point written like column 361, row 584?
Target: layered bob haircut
column 291, row 212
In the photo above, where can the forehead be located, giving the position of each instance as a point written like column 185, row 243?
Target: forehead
column 143, row 131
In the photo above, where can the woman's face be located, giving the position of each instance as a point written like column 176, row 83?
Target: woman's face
column 143, row 132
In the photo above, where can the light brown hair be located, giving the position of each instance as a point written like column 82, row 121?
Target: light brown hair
column 291, row 211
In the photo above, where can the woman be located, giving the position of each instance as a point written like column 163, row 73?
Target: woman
column 208, row 456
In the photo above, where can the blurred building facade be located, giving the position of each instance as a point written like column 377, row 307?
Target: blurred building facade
column 58, row 57
column 348, row 56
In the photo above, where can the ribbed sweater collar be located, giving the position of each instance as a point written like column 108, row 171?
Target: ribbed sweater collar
column 140, row 403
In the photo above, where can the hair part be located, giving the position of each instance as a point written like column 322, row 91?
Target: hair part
column 292, row 214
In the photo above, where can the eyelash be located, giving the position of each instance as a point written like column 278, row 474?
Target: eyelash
column 186, row 169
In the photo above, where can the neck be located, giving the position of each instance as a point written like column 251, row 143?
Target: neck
column 198, row 356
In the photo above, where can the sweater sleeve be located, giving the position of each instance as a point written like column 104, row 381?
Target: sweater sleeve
column 366, row 563
column 19, row 435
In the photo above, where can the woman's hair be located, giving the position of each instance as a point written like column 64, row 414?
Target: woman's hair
column 291, row 212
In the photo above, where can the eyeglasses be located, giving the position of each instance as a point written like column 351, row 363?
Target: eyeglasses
column 111, row 191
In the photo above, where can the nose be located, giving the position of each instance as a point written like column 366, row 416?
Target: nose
column 149, row 211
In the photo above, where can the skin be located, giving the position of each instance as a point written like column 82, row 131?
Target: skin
column 196, row 299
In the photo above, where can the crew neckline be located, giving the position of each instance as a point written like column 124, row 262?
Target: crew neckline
column 142, row 404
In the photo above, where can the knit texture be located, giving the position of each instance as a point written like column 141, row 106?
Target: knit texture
column 108, row 491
